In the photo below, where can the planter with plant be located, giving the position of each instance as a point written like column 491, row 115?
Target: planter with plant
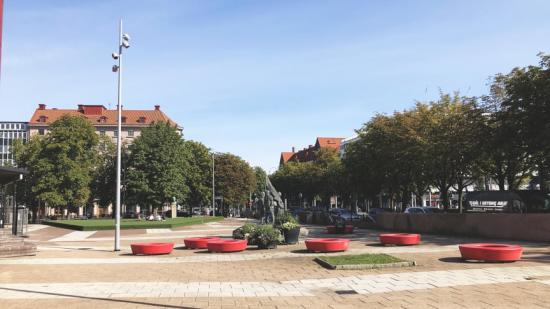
column 266, row 236
column 245, row 232
column 289, row 227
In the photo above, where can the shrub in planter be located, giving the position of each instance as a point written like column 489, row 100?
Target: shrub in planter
column 266, row 236
column 289, row 227
column 245, row 232
column 283, row 217
column 291, row 232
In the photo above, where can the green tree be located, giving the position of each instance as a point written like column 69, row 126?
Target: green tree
column 525, row 110
column 103, row 185
column 260, row 176
column 234, row 179
column 157, row 167
column 199, row 174
column 61, row 163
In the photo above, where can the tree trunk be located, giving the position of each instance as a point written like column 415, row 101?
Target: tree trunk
column 460, row 189
column 501, row 183
column 444, row 196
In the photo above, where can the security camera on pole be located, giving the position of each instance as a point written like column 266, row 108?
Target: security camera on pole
column 123, row 42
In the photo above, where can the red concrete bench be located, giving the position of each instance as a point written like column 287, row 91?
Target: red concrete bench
column 491, row 252
column 152, row 248
column 198, row 242
column 399, row 239
column 327, row 244
column 227, row 245
column 332, row 229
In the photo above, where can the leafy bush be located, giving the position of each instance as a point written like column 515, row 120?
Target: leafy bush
column 264, row 235
column 286, row 221
column 289, row 226
column 284, row 217
column 245, row 232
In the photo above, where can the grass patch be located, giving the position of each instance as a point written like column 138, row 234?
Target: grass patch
column 109, row 224
column 360, row 259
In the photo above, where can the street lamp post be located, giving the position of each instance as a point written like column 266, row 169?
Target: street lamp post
column 123, row 42
column 213, row 190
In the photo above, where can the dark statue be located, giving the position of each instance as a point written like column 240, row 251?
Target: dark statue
column 269, row 203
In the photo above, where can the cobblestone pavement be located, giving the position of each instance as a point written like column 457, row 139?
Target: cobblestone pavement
column 82, row 271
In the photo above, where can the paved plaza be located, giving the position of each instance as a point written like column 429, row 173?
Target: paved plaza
column 80, row 270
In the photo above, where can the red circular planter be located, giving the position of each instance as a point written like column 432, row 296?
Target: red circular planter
column 227, row 245
column 327, row 244
column 399, row 239
column 491, row 252
column 198, row 242
column 152, row 248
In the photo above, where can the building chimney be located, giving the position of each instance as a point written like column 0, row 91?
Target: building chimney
column 293, row 149
column 157, row 107
column 41, row 107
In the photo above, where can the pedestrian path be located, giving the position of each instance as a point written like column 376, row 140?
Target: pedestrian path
column 366, row 284
column 205, row 258
column 74, row 236
column 162, row 234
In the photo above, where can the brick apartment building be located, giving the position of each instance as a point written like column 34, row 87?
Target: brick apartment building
column 104, row 120
column 308, row 154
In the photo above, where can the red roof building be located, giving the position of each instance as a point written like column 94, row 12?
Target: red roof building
column 308, row 154
column 103, row 119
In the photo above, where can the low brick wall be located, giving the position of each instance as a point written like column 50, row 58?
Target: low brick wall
column 530, row 227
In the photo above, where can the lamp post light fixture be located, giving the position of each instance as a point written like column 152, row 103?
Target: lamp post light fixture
column 123, row 43
column 213, row 189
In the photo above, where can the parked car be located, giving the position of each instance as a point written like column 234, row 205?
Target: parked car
column 414, row 210
column 179, row 213
column 343, row 214
column 423, row 210
column 433, row 210
column 374, row 212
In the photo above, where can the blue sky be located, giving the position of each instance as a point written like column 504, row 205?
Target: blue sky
column 257, row 77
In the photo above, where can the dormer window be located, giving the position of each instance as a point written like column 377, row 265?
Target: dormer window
column 102, row 119
column 42, row 119
column 141, row 119
column 123, row 119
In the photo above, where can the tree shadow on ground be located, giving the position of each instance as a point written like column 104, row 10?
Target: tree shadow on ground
column 301, row 251
column 536, row 257
column 459, row 260
column 118, row 300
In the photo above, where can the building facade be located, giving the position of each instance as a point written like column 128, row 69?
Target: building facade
column 9, row 133
column 345, row 144
column 308, row 154
column 104, row 120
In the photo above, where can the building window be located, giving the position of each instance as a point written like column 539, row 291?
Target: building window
column 130, row 133
column 40, row 131
column 141, row 120
column 102, row 119
column 123, row 119
column 42, row 119
column 116, row 133
column 102, row 132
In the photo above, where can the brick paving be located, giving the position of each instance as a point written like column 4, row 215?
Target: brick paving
column 87, row 274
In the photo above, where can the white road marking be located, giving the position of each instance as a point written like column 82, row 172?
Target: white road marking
column 74, row 236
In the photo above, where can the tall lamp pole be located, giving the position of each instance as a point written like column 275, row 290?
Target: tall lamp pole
column 123, row 42
column 213, row 190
